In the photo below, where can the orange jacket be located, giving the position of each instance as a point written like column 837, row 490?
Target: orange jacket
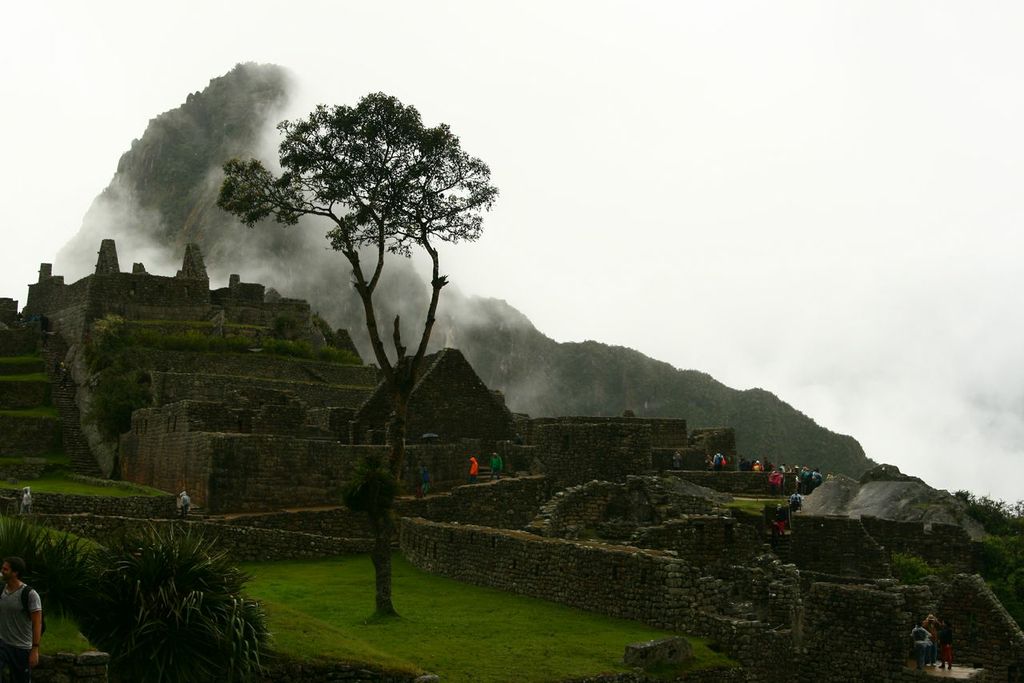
column 474, row 466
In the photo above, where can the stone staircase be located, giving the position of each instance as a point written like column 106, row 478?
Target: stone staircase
column 63, row 396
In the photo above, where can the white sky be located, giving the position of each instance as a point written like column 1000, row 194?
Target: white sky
column 818, row 198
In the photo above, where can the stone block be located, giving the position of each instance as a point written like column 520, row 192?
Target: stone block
column 651, row 653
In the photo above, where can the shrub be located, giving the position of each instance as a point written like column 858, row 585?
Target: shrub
column 57, row 565
column 168, row 607
column 910, row 569
column 118, row 393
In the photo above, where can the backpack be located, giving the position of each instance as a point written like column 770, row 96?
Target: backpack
column 26, row 589
column 719, row 459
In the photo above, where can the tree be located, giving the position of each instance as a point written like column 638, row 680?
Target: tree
column 384, row 182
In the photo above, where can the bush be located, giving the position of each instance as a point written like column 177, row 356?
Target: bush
column 118, row 393
column 57, row 565
column 168, row 607
column 910, row 569
column 372, row 488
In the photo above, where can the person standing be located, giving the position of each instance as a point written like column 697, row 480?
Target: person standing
column 474, row 469
column 922, row 644
column 945, row 644
column 424, row 480
column 496, row 466
column 21, row 623
column 26, row 501
column 184, row 503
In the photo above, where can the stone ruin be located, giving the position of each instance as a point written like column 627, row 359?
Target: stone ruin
column 593, row 515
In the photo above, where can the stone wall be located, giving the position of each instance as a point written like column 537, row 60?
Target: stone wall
column 937, row 544
column 19, row 341
column 716, row 440
column 255, row 365
column 615, row 510
column 738, row 483
column 837, row 545
column 21, row 394
column 28, row 435
column 574, row 453
column 8, row 311
column 502, row 504
column 280, row 670
column 236, row 472
column 853, row 633
column 648, row 586
column 666, row 432
column 693, row 458
column 703, row 540
column 984, row 633
column 156, row 507
column 88, row 667
column 170, row 387
column 242, row 544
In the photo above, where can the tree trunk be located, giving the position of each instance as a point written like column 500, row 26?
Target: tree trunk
column 381, row 557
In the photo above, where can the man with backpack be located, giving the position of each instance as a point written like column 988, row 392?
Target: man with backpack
column 21, row 623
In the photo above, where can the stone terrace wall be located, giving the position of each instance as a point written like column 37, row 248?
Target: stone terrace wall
column 937, row 544
column 242, row 544
column 286, row 671
column 837, row 545
column 502, row 504
column 226, row 472
column 156, row 507
column 19, row 341
column 18, row 395
column 853, row 633
column 703, row 540
column 641, row 501
column 170, row 387
column 256, row 365
column 574, row 453
column 737, row 483
column 984, row 633
column 28, row 435
column 666, row 432
column 648, row 586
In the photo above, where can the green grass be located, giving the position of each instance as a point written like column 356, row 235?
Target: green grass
column 322, row 609
column 45, row 412
column 58, row 459
column 60, row 482
column 33, row 377
column 754, row 506
column 62, row 636
column 19, row 359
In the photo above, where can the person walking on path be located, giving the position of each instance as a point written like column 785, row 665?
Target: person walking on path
column 26, row 501
column 21, row 623
column 496, row 466
column 945, row 644
column 184, row 503
column 474, row 469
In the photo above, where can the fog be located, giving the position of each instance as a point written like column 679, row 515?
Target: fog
column 821, row 200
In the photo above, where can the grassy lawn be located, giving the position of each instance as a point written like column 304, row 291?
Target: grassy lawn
column 754, row 506
column 33, row 377
column 62, row 483
column 323, row 608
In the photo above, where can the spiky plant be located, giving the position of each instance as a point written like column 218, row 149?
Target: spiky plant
column 57, row 564
column 169, row 608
